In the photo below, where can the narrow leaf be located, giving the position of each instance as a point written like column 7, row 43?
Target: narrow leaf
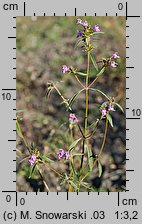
column 18, row 129
column 99, row 91
column 90, row 158
column 72, row 169
column 101, row 72
column 32, row 170
column 96, row 33
column 94, row 62
column 77, row 154
column 109, row 119
column 80, row 73
column 99, row 169
column 74, row 97
column 93, row 124
column 71, row 147
column 48, row 92
column 73, row 185
column 86, row 185
column 118, row 105
column 78, row 42
column 45, row 158
column 24, row 159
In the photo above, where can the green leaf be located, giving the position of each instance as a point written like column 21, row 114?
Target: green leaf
column 77, row 154
column 48, row 92
column 32, row 147
column 80, row 73
column 99, row 169
column 71, row 147
column 32, row 170
column 101, row 72
column 99, row 91
column 109, row 119
column 18, row 129
column 118, row 105
column 72, row 169
column 45, row 158
column 96, row 33
column 73, row 185
column 78, row 42
column 86, row 185
column 90, row 158
column 94, row 62
column 93, row 124
column 24, row 159
column 74, row 97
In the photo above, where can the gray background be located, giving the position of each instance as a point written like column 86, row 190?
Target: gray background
column 82, row 202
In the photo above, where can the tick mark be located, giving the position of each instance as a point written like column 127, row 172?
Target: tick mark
column 75, row 11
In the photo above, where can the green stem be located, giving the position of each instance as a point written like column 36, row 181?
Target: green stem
column 93, row 132
column 43, row 179
column 63, row 98
column 22, row 136
column 79, row 81
column 103, row 143
column 70, row 170
column 86, row 109
column 101, row 149
column 49, row 167
column 98, row 75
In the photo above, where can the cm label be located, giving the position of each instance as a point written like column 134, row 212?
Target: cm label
column 10, row 7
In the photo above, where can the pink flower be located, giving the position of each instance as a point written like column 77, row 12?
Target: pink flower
column 73, row 119
column 104, row 112
column 79, row 21
column 85, row 24
column 115, row 55
column 64, row 154
column 67, row 155
column 111, row 108
column 96, row 28
column 61, row 153
column 113, row 64
column 65, row 68
column 32, row 159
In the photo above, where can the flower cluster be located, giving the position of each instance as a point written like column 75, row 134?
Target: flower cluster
column 63, row 154
column 106, row 107
column 73, row 119
column 32, row 159
column 85, row 24
column 67, row 69
column 111, row 62
column 87, row 32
